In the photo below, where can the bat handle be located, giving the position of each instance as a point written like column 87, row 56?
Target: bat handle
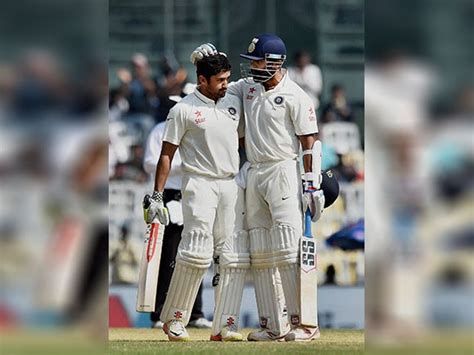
column 146, row 201
column 307, row 224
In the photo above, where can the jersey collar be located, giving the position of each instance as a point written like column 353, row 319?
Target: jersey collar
column 203, row 98
column 280, row 85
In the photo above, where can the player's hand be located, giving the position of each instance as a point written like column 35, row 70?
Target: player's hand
column 204, row 50
column 153, row 207
column 314, row 200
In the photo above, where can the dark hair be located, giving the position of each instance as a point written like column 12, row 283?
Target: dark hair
column 336, row 87
column 212, row 65
column 298, row 55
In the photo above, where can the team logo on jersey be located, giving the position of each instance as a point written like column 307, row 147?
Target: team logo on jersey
column 232, row 111
column 252, row 44
column 278, row 100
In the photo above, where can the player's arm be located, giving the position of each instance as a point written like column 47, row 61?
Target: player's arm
column 164, row 165
column 307, row 142
column 153, row 206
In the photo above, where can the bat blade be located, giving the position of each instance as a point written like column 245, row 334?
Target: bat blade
column 308, row 277
column 150, row 268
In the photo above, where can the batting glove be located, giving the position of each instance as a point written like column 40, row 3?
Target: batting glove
column 204, row 50
column 153, row 207
column 314, row 200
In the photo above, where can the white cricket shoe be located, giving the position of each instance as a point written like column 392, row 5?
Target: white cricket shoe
column 158, row 325
column 227, row 335
column 266, row 335
column 301, row 333
column 201, row 323
column 175, row 330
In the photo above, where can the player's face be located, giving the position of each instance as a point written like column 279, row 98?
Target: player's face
column 217, row 85
column 258, row 64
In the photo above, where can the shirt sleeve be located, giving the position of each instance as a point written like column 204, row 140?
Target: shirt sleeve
column 175, row 125
column 303, row 115
column 236, row 88
column 241, row 126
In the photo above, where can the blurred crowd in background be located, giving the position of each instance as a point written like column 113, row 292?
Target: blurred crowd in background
column 418, row 153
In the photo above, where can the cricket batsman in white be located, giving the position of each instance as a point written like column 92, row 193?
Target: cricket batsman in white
column 279, row 118
column 204, row 125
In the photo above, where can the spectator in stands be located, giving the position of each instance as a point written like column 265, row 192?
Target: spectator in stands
column 124, row 260
column 330, row 275
column 171, row 83
column 307, row 75
column 172, row 236
column 140, row 88
column 133, row 168
column 338, row 109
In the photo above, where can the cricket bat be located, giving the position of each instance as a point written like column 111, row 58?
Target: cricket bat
column 308, row 277
column 150, row 266
column 308, row 257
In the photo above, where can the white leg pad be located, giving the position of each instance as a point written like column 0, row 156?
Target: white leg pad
column 182, row 293
column 271, row 313
column 192, row 260
column 234, row 261
column 290, row 281
column 228, row 299
column 287, row 260
column 285, row 245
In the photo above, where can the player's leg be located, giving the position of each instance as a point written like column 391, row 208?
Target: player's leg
column 273, row 320
column 231, row 240
column 194, row 255
column 171, row 239
column 284, row 198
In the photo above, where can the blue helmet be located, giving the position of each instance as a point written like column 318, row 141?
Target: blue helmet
column 266, row 47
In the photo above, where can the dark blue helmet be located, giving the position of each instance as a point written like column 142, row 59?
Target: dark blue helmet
column 266, row 46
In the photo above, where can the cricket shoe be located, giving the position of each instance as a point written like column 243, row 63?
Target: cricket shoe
column 266, row 335
column 157, row 325
column 175, row 330
column 301, row 333
column 227, row 335
column 201, row 323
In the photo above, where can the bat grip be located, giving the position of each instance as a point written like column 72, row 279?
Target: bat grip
column 307, row 224
column 146, row 201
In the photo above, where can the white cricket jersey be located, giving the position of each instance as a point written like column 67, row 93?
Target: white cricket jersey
column 274, row 119
column 152, row 155
column 206, row 133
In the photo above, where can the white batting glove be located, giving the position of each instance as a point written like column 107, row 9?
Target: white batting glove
column 204, row 50
column 153, row 207
column 314, row 200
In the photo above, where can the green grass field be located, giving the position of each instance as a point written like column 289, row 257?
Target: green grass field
column 151, row 341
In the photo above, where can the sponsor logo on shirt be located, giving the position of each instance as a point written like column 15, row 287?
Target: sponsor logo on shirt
column 312, row 115
column 250, row 93
column 199, row 119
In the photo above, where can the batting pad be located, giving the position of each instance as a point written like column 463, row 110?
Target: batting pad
column 182, row 292
column 289, row 280
column 285, row 245
column 196, row 249
column 272, row 315
column 228, row 299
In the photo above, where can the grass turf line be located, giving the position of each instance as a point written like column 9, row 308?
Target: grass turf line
column 151, row 341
